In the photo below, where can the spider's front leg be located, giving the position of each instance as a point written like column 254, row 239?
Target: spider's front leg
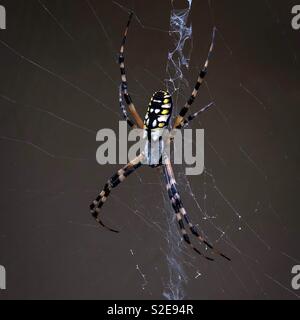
column 180, row 119
column 124, row 87
column 112, row 183
column 126, row 117
column 186, row 122
column 181, row 213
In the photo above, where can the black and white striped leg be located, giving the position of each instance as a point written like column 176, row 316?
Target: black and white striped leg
column 172, row 192
column 181, row 212
column 122, row 63
column 112, row 183
column 123, row 109
column 203, row 73
column 187, row 122
column 125, row 92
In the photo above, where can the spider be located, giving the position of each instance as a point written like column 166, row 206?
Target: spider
column 158, row 117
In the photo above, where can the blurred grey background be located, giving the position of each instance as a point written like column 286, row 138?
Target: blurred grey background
column 59, row 86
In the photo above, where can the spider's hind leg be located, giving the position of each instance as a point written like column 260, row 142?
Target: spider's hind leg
column 181, row 212
column 112, row 183
column 171, row 188
column 185, row 236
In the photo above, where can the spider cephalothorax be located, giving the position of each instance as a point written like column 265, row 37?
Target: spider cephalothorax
column 159, row 111
column 157, row 119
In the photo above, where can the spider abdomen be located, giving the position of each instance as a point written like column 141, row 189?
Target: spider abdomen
column 159, row 111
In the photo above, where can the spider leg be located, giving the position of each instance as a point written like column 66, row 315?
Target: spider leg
column 177, row 203
column 127, row 96
column 112, row 183
column 123, row 109
column 186, row 122
column 203, row 73
column 177, row 208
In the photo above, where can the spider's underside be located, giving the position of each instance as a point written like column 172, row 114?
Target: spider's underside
column 158, row 118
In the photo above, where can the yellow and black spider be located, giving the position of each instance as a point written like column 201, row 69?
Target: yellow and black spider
column 157, row 118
